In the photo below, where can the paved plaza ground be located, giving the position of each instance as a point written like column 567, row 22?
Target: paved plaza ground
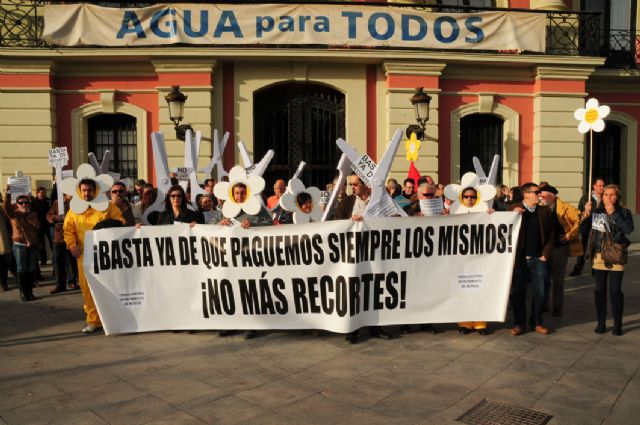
column 51, row 373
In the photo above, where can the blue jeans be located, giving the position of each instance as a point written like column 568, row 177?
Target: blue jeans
column 528, row 270
column 26, row 258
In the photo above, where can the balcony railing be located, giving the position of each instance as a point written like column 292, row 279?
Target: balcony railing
column 568, row 32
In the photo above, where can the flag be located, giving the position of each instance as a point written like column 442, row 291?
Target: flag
column 413, row 174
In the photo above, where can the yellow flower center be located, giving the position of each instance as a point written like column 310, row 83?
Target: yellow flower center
column 591, row 116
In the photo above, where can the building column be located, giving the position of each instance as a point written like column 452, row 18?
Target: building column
column 402, row 80
column 558, row 147
column 28, row 120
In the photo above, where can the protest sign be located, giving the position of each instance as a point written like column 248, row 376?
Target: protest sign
column 19, row 185
column 58, row 156
column 184, row 174
column 324, row 197
column 433, row 206
column 350, row 25
column 598, row 221
column 209, row 216
column 338, row 275
column 364, row 167
column 384, row 207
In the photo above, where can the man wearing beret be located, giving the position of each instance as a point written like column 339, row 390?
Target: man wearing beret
column 566, row 220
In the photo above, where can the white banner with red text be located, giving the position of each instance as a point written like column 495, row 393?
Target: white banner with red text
column 348, row 25
column 337, row 276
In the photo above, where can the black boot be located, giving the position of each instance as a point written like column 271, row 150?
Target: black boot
column 21, row 286
column 577, row 269
column 29, row 280
column 601, row 311
column 617, row 307
column 351, row 337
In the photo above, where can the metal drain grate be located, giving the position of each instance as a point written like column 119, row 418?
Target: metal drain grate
column 494, row 413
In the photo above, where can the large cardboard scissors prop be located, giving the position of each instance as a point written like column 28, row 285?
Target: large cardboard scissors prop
column 299, row 170
column 251, row 168
column 375, row 175
column 191, row 150
column 216, row 157
column 103, row 167
column 162, row 174
column 493, row 173
column 344, row 169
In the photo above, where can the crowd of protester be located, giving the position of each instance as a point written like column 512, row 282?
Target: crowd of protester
column 552, row 231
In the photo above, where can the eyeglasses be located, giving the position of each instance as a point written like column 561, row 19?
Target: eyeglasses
column 175, row 196
column 537, row 192
column 429, row 195
column 22, row 202
column 470, row 197
column 117, row 191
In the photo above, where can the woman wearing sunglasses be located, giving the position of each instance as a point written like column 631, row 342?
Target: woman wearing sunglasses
column 25, row 225
column 176, row 210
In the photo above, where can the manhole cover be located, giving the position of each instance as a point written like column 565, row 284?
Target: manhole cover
column 493, row 413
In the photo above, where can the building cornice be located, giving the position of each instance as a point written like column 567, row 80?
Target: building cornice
column 26, row 66
column 565, row 72
column 193, row 65
column 413, row 68
column 203, row 54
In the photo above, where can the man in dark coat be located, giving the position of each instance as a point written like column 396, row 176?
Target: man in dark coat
column 534, row 248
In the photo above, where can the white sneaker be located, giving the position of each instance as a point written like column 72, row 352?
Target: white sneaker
column 90, row 328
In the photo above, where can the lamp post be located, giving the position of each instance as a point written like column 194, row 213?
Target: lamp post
column 420, row 101
column 176, row 99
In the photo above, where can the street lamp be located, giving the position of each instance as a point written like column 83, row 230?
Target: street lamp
column 176, row 99
column 420, row 101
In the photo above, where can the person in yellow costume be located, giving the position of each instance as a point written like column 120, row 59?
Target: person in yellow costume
column 76, row 224
column 469, row 197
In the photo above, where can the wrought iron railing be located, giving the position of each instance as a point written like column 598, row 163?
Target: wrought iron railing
column 568, row 32
column 622, row 48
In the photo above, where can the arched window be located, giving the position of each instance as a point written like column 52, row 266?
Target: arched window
column 300, row 122
column 117, row 133
column 481, row 136
column 606, row 154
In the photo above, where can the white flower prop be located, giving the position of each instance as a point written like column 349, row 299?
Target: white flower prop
column 591, row 117
column 103, row 183
column 289, row 202
column 224, row 190
column 485, row 192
